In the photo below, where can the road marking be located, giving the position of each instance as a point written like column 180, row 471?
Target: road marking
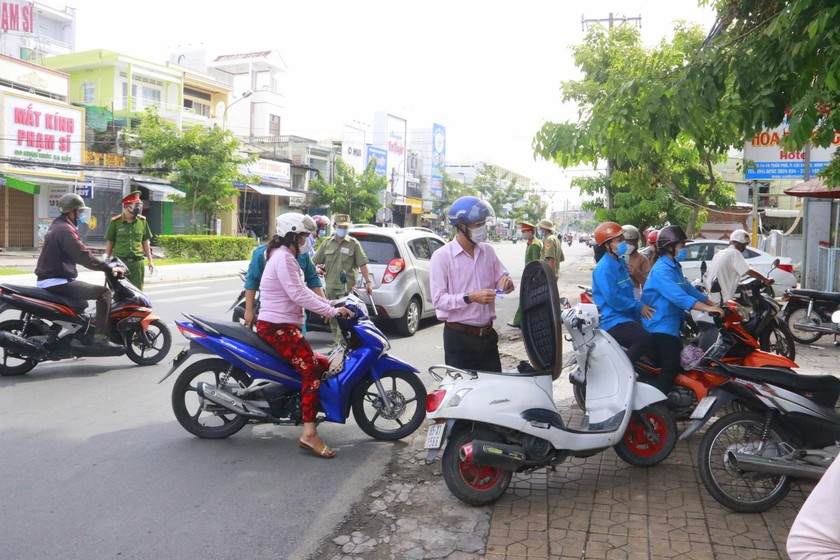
column 164, row 290
column 184, row 283
column 221, row 297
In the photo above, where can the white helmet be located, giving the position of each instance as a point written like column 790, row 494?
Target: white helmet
column 292, row 222
column 631, row 233
column 740, row 236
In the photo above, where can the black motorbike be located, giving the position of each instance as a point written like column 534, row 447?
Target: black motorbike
column 52, row 327
column 807, row 314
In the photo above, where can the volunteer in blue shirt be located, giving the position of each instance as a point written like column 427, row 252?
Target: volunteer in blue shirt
column 612, row 290
column 670, row 295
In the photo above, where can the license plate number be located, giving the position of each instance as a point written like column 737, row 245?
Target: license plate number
column 702, row 408
column 434, row 438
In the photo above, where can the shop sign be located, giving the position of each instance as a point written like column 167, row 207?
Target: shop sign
column 104, row 160
column 381, row 157
column 42, row 132
column 270, row 171
column 17, row 17
column 771, row 161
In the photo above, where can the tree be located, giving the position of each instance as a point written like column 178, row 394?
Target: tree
column 774, row 60
column 352, row 194
column 633, row 114
column 206, row 162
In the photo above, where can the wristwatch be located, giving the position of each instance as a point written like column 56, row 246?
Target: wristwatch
column 467, row 298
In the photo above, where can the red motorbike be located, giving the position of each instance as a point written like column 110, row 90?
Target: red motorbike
column 51, row 327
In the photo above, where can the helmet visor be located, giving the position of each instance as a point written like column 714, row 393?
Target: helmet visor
column 84, row 215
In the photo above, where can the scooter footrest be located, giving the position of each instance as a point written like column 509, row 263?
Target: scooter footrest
column 543, row 416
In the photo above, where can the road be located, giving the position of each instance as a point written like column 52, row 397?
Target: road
column 95, row 465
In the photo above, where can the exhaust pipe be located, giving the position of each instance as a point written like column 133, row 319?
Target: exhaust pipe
column 493, row 454
column 774, row 465
column 834, row 329
column 230, row 402
column 20, row 346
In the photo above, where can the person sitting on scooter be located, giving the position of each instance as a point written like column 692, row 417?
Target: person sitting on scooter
column 670, row 295
column 612, row 290
column 637, row 264
column 283, row 298
column 729, row 265
column 61, row 252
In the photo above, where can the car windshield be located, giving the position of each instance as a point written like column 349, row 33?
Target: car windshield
column 379, row 250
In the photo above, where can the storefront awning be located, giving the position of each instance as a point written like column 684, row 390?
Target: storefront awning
column 160, row 192
column 21, row 185
column 270, row 190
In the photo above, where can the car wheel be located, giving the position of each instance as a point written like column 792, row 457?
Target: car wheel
column 409, row 323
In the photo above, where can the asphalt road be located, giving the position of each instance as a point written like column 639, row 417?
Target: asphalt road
column 94, row 464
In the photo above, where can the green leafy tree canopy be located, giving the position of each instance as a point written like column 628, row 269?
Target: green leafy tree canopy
column 350, row 193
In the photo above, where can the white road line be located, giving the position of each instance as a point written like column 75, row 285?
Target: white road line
column 218, row 296
column 163, row 290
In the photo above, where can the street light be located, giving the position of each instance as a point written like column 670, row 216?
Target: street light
column 248, row 93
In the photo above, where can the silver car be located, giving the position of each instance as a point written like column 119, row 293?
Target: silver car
column 398, row 262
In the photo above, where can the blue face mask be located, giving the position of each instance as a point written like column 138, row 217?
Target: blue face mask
column 341, row 232
column 622, row 248
column 322, row 233
column 680, row 256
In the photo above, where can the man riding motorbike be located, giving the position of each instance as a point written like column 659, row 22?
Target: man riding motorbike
column 729, row 265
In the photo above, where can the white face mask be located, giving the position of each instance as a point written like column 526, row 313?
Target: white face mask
column 479, row 234
column 630, row 249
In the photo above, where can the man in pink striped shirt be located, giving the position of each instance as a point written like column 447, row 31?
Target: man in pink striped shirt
column 465, row 275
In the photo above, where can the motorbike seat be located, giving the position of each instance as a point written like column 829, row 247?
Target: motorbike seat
column 785, row 378
column 77, row 305
column 816, row 294
column 239, row 332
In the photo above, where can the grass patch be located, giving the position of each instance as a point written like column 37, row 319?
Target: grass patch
column 164, row 262
column 10, row 271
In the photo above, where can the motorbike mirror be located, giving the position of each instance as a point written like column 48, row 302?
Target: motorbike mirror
column 774, row 264
column 715, row 287
column 835, row 317
column 703, row 268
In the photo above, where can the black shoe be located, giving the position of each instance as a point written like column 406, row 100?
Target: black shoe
column 101, row 344
column 514, row 326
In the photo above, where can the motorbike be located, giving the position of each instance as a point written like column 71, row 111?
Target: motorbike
column 247, row 382
column 786, row 428
column 51, row 327
column 492, row 424
column 313, row 322
column 807, row 314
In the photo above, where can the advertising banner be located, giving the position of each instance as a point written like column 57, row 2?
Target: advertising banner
column 438, row 159
column 270, row 171
column 381, row 157
column 353, row 148
column 42, row 132
column 396, row 131
column 772, row 162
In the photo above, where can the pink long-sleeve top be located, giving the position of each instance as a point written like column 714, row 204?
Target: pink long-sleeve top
column 284, row 296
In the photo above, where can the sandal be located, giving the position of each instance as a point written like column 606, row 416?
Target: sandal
column 324, row 452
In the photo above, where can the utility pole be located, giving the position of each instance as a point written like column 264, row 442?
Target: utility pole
column 610, row 21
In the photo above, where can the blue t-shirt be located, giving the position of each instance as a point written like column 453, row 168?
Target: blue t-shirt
column 670, row 295
column 257, row 265
column 612, row 291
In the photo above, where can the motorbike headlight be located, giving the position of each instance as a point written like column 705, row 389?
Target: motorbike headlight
column 742, row 312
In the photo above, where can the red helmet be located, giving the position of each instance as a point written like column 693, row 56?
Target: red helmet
column 607, row 231
column 322, row 221
column 651, row 236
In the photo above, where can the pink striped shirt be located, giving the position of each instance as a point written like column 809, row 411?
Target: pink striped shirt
column 454, row 272
column 283, row 295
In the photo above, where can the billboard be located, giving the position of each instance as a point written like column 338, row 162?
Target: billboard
column 390, row 134
column 772, row 162
column 438, row 159
column 42, row 132
column 381, row 157
column 353, row 148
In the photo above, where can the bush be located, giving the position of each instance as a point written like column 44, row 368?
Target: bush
column 208, row 248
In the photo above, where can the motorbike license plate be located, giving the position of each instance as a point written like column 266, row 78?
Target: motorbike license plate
column 702, row 408
column 434, row 438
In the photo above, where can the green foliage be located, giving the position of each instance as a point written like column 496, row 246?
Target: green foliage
column 206, row 248
column 507, row 198
column 206, row 162
column 634, row 114
column 352, row 194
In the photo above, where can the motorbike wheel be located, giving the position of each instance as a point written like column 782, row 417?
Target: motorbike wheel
column 580, row 396
column 408, row 396
column 472, row 484
column 741, row 491
column 149, row 347
column 641, row 447
column 217, row 422
column 799, row 315
column 11, row 363
column 778, row 340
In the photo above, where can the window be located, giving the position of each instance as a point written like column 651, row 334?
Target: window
column 435, row 244
column 420, row 248
column 379, row 250
column 151, row 96
column 273, row 125
column 696, row 252
column 88, row 92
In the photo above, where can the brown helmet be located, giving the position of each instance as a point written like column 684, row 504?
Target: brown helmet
column 607, row 231
column 670, row 235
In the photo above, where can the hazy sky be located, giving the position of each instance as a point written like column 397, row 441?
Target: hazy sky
column 488, row 71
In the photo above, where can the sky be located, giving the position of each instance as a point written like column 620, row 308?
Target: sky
column 489, row 71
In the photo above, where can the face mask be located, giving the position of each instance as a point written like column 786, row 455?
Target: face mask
column 631, row 249
column 479, row 234
column 83, row 216
column 680, row 257
column 539, row 235
column 135, row 211
column 322, row 233
column 303, row 243
column 621, row 249
column 341, row 232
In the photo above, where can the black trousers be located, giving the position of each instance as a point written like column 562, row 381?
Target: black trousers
column 470, row 351
column 82, row 290
column 668, row 348
column 633, row 336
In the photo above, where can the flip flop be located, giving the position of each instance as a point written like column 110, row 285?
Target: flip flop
column 325, row 452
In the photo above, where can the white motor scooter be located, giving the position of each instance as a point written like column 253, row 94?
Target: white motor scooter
column 497, row 423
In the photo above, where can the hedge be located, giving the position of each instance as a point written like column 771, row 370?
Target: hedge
column 208, row 248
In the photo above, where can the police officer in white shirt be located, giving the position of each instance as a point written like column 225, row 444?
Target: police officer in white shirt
column 729, row 266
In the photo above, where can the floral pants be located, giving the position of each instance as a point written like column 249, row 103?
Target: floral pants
column 290, row 343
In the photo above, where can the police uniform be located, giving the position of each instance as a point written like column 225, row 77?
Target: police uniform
column 128, row 237
column 551, row 246
column 532, row 253
column 339, row 254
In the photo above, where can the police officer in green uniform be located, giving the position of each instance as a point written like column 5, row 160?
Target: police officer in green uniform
column 551, row 249
column 338, row 253
column 128, row 236
column 533, row 252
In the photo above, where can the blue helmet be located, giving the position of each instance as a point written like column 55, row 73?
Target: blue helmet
column 469, row 210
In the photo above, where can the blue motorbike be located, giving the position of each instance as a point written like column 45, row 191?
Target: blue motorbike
column 247, row 382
